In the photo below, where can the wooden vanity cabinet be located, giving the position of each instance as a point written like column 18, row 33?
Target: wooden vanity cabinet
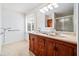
column 65, row 49
column 55, row 47
column 31, row 41
column 33, row 46
column 50, row 47
column 44, row 46
column 41, row 46
column 37, row 45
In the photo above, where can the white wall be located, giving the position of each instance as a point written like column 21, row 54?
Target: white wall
column 40, row 17
column 14, row 20
column 78, row 29
column 76, row 22
column 0, row 14
column 40, row 20
column 0, row 30
column 75, row 16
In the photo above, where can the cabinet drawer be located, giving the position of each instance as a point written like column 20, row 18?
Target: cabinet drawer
column 62, row 50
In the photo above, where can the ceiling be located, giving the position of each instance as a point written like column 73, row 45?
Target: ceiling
column 63, row 9
column 21, row 7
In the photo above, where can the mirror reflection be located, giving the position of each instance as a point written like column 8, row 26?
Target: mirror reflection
column 63, row 18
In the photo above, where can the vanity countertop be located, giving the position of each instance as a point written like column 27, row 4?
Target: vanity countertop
column 70, row 38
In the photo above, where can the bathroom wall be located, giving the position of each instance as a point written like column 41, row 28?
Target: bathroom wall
column 0, row 30
column 76, row 23
column 39, row 18
column 75, row 16
column 39, row 21
column 0, row 14
column 78, row 30
column 15, row 21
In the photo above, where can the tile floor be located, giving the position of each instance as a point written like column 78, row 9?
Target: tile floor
column 20, row 48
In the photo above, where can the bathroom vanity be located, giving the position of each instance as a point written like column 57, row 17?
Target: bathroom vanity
column 46, row 45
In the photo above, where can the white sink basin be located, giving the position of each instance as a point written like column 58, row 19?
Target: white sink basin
column 61, row 35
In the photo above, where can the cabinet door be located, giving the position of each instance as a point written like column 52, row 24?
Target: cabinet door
column 36, row 46
column 63, row 50
column 41, row 46
column 50, row 45
column 75, row 51
column 31, row 41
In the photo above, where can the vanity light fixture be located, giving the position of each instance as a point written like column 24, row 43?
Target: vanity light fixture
column 50, row 6
column 41, row 10
column 45, row 8
column 61, row 20
column 55, row 5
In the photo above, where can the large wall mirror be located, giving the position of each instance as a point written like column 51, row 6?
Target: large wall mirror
column 65, row 23
column 63, row 18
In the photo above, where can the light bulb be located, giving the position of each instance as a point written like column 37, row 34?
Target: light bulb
column 41, row 10
column 55, row 5
column 50, row 7
column 45, row 8
column 61, row 20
